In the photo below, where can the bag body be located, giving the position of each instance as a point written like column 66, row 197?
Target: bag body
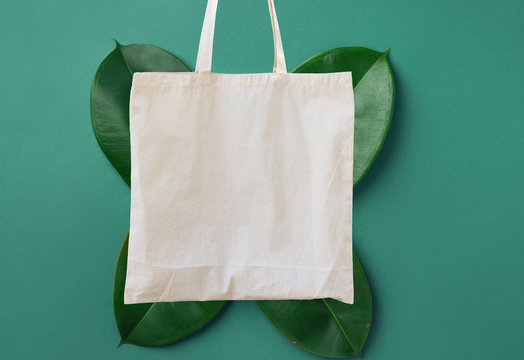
column 241, row 184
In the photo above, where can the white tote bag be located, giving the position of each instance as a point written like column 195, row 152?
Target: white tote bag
column 241, row 184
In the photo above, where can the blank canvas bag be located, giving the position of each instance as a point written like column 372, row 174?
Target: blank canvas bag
column 241, row 184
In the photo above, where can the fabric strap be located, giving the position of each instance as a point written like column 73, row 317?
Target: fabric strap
column 205, row 48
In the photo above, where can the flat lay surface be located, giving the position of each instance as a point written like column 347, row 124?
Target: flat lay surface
column 437, row 220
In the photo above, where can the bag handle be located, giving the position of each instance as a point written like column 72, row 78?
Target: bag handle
column 205, row 47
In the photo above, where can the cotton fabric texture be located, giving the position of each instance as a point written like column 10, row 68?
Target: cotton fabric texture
column 241, row 184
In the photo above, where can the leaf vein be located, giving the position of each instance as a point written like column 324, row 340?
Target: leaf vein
column 119, row 47
column 367, row 72
column 341, row 327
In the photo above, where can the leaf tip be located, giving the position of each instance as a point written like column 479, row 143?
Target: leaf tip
column 122, row 342
column 387, row 51
column 357, row 354
column 117, row 44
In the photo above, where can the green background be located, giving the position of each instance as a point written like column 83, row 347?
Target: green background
column 438, row 220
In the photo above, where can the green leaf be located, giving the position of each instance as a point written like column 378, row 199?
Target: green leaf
column 374, row 96
column 156, row 323
column 110, row 97
column 325, row 327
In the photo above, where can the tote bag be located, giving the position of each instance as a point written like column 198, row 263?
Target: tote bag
column 241, row 184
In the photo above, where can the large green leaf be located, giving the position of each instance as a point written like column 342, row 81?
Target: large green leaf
column 374, row 96
column 110, row 97
column 157, row 323
column 325, row 327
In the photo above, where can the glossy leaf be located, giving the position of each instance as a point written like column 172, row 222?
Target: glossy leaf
column 325, row 327
column 374, row 96
column 110, row 97
column 157, row 323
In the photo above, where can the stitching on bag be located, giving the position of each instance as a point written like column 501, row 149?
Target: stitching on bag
column 240, row 86
column 233, row 265
column 338, row 80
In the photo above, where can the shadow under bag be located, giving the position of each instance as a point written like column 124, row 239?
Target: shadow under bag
column 241, row 184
